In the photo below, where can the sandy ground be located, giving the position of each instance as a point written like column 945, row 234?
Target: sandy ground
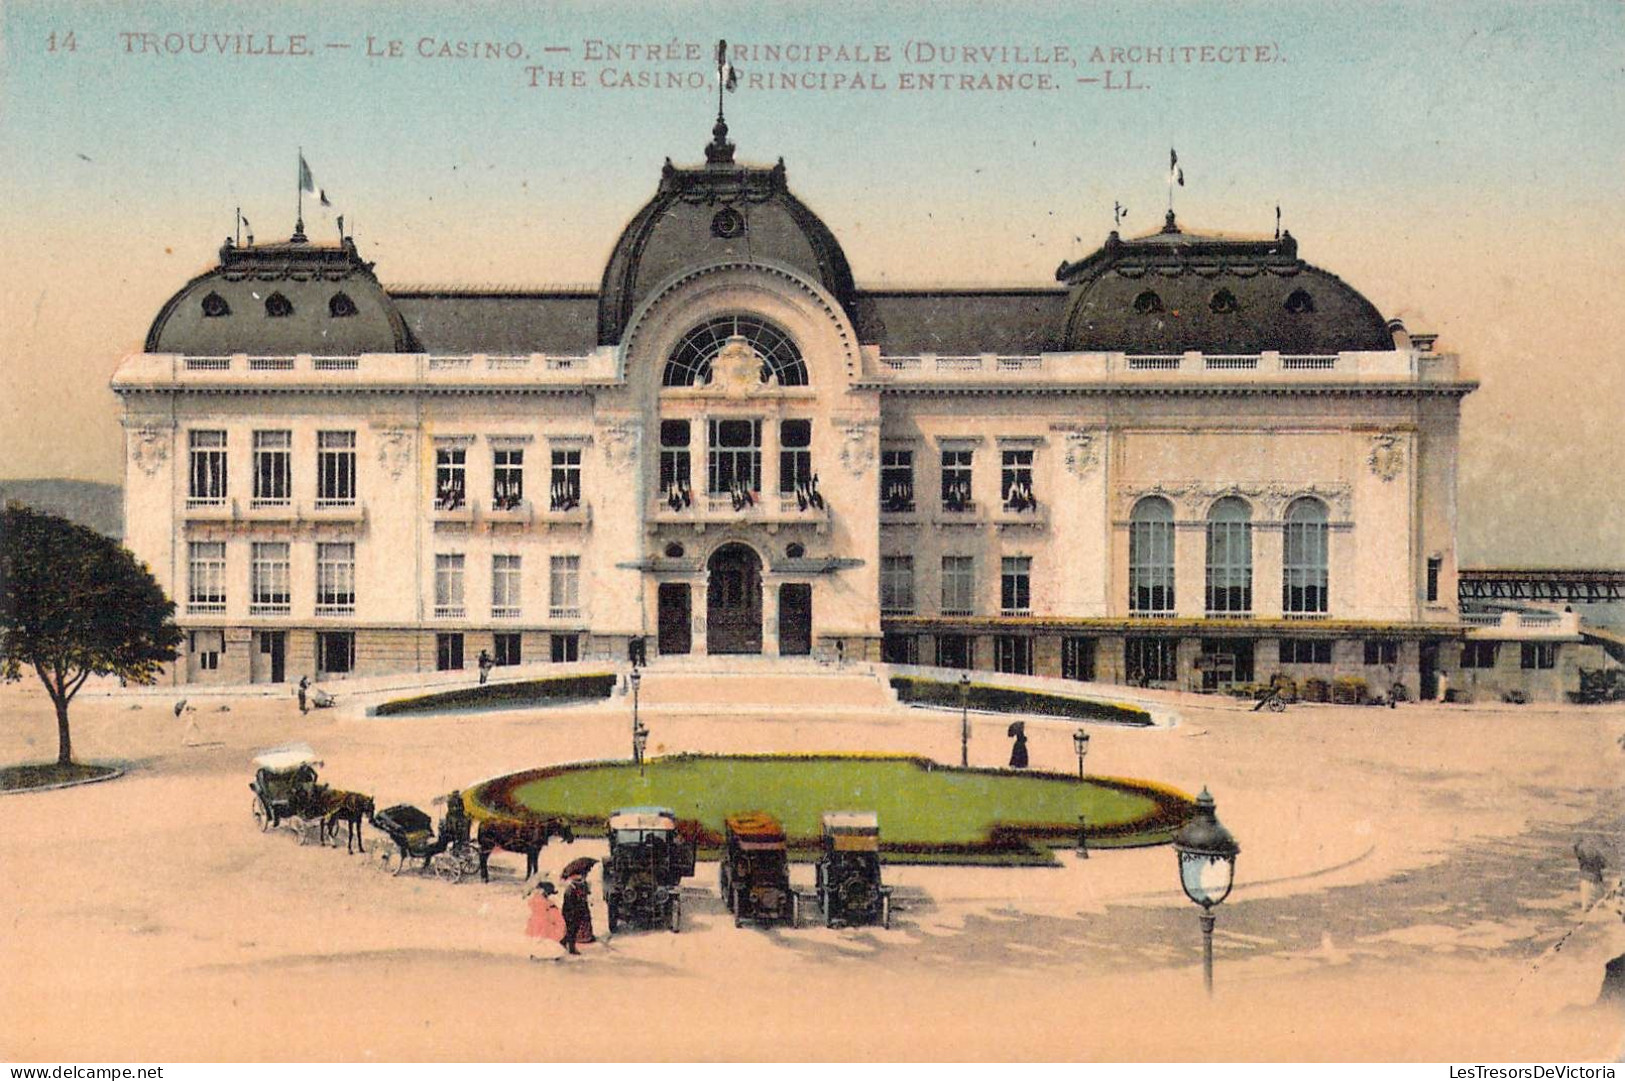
column 1401, row 871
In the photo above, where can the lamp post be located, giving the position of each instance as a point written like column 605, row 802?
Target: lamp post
column 635, row 680
column 964, row 719
column 1207, row 870
column 1080, row 743
column 640, row 740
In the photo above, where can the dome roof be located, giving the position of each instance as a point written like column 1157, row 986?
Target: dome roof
column 279, row 300
column 1175, row 291
column 718, row 211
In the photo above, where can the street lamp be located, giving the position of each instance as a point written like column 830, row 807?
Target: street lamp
column 640, row 740
column 1207, row 870
column 636, row 680
column 964, row 719
column 1080, row 743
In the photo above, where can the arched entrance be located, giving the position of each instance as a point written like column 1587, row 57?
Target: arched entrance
column 733, row 601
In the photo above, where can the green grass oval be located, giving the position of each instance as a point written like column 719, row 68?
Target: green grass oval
column 929, row 813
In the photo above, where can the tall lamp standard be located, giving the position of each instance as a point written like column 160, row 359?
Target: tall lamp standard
column 964, row 719
column 1207, row 870
column 640, row 740
column 635, row 680
column 1080, row 743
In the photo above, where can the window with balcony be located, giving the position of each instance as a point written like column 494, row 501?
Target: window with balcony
column 505, row 587
column 1016, row 481
column 1304, row 559
column 1230, row 558
column 270, row 591
column 507, row 478
column 897, row 585
column 565, row 492
column 795, row 464
column 335, row 578
column 958, row 585
column 208, row 468
column 956, row 481
column 736, row 461
column 1013, row 654
column 897, row 481
column 206, row 591
column 273, row 468
column 1015, row 585
column 1151, row 557
column 448, row 585
column 335, row 469
column 564, row 587
column 450, row 478
column 676, row 485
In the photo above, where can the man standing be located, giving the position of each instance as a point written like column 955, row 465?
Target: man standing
column 577, row 916
column 485, row 666
column 304, row 686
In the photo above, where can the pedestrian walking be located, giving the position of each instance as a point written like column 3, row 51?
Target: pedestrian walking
column 1018, row 752
column 486, row 664
column 577, row 916
column 545, row 923
column 302, row 690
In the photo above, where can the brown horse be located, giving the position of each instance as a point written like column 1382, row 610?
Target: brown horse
column 349, row 808
column 526, row 837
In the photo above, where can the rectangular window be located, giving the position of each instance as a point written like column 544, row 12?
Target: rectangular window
column 565, row 648
column 1078, row 659
column 448, row 652
column 1151, row 659
column 505, row 650
column 956, row 651
column 958, row 585
column 1539, row 655
column 897, row 481
column 795, row 457
column 206, row 649
column 507, row 478
column 335, row 652
column 564, row 493
column 207, row 592
column 1016, row 481
column 564, row 588
column 450, row 478
column 273, row 469
column 1015, row 585
column 1306, row 651
column 1381, row 651
column 208, row 475
column 505, row 579
column 736, row 459
column 1013, row 655
column 335, row 469
column 897, row 585
column 900, row 648
column 269, row 578
column 1435, row 564
column 1225, row 660
column 676, row 484
column 1479, row 654
column 335, row 579
column 956, row 481
column 448, row 585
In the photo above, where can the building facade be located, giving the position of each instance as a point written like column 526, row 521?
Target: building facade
column 1190, row 461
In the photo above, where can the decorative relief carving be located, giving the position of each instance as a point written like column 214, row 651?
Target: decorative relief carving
column 1387, row 456
column 860, row 447
column 621, row 444
column 394, row 450
column 736, row 369
column 1193, row 499
column 149, row 448
column 1083, row 452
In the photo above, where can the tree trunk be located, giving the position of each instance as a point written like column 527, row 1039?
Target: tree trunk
column 64, row 741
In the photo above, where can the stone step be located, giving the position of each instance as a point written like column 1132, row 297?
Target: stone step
column 833, row 689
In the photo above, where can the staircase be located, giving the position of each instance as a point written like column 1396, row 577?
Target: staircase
column 713, row 683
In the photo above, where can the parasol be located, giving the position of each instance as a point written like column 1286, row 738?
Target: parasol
column 579, row 866
column 1016, row 728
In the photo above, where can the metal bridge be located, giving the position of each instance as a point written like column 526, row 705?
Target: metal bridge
column 1540, row 584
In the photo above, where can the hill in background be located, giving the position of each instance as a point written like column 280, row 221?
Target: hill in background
column 99, row 506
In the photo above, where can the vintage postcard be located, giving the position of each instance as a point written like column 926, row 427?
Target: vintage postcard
column 812, row 532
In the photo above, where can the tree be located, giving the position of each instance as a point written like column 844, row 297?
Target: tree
column 75, row 604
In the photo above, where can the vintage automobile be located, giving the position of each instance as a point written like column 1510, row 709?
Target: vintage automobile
column 449, row 851
column 648, row 860
column 284, row 784
column 848, row 873
column 756, row 871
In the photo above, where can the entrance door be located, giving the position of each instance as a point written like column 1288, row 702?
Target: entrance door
column 733, row 601
column 274, row 654
column 675, row 611
column 795, row 620
column 1429, row 681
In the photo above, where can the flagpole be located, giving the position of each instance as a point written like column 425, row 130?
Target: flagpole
column 299, row 186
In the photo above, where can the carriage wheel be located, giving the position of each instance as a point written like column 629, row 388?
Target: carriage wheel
column 448, row 870
column 1277, row 705
column 262, row 819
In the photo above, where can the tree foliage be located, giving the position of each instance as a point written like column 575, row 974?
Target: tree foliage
column 74, row 604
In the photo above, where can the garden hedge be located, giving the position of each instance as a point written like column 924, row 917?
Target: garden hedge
column 519, row 693
column 942, row 693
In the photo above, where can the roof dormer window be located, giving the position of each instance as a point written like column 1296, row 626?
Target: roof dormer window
column 215, row 306
column 1300, row 302
column 278, row 306
column 341, row 306
column 1223, row 302
column 1148, row 303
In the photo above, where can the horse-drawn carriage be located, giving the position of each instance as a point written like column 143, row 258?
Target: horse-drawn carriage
column 848, row 872
column 284, row 784
column 448, row 851
column 648, row 860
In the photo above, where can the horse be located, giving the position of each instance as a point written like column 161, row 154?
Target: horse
column 349, row 808
column 526, row 837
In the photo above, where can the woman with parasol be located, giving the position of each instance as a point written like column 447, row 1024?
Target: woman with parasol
column 577, row 916
column 1018, row 753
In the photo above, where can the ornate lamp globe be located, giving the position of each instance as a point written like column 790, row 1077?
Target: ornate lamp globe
column 1080, row 742
column 1207, row 855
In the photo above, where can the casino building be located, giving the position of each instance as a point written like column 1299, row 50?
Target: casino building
column 1190, row 460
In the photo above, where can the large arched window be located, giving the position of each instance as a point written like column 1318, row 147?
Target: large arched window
column 1304, row 559
column 1151, row 556
column 1229, row 558
column 690, row 362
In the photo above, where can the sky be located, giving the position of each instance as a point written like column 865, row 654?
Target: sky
column 1459, row 163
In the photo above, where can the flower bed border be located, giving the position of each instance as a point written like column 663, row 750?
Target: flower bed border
column 983, row 696
column 549, row 690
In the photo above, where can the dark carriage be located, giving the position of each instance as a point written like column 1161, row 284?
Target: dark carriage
column 848, row 873
column 755, row 876
column 448, row 851
column 285, row 785
column 648, row 860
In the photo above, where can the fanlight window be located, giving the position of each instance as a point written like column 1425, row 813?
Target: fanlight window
column 690, row 363
column 215, row 306
column 277, row 306
column 1229, row 557
column 1151, row 556
column 1147, row 303
column 1305, row 560
column 341, row 306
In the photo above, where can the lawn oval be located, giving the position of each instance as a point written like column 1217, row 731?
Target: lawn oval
column 929, row 813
